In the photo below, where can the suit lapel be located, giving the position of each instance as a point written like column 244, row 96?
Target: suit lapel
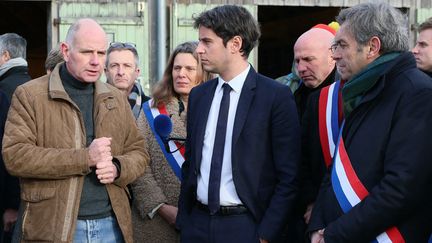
column 246, row 97
column 203, row 106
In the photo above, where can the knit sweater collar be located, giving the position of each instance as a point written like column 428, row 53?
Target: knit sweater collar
column 71, row 81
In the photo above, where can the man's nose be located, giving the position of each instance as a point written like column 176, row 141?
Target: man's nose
column 301, row 67
column 200, row 48
column 336, row 56
column 120, row 70
column 415, row 49
column 95, row 59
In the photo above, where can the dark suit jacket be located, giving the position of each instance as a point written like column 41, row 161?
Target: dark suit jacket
column 265, row 150
column 388, row 140
column 10, row 191
column 4, row 175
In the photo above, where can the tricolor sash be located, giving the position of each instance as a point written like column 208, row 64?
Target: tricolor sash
column 328, row 120
column 176, row 158
column 349, row 190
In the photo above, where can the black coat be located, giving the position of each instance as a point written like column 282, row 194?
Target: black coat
column 301, row 95
column 313, row 168
column 6, row 200
column 13, row 78
column 388, row 139
column 9, row 186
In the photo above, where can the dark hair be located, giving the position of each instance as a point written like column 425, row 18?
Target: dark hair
column 163, row 91
column 228, row 21
column 14, row 44
column 427, row 24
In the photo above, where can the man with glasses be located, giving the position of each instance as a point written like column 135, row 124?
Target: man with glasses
column 73, row 142
column 122, row 71
column 378, row 183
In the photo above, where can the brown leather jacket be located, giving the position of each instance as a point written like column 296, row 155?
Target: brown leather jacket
column 44, row 145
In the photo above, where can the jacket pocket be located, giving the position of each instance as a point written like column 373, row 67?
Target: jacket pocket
column 40, row 214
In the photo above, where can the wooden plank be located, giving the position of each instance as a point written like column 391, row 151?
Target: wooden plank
column 336, row 3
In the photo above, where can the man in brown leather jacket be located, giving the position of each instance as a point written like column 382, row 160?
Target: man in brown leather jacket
column 73, row 142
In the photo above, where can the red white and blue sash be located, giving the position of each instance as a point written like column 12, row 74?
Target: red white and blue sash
column 328, row 120
column 176, row 158
column 350, row 191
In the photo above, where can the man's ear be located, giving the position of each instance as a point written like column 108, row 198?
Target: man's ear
column 5, row 56
column 374, row 47
column 236, row 44
column 64, row 47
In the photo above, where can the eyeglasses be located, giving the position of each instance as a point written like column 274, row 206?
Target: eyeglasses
column 126, row 45
column 335, row 46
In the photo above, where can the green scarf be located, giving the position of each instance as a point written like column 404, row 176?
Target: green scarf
column 354, row 90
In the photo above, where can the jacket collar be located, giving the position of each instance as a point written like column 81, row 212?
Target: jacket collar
column 400, row 64
column 246, row 97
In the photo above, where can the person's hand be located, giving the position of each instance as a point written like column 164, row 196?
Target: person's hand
column 263, row 241
column 106, row 172
column 318, row 236
column 307, row 214
column 169, row 213
column 99, row 151
column 10, row 216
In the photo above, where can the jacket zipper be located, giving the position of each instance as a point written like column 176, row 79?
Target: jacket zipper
column 72, row 189
column 24, row 219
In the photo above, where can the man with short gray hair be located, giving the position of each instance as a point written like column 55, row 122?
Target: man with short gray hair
column 13, row 64
column 378, row 183
column 13, row 72
column 122, row 70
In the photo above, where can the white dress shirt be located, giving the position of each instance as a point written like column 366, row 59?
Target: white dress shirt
column 228, row 193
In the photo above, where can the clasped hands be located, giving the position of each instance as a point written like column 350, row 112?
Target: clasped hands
column 101, row 158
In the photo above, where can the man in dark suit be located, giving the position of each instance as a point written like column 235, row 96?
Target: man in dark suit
column 242, row 152
column 378, row 185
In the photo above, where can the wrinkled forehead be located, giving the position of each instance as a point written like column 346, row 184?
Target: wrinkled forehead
column 425, row 36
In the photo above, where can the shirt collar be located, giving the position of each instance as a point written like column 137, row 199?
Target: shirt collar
column 237, row 82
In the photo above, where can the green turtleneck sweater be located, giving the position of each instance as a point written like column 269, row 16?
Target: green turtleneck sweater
column 94, row 202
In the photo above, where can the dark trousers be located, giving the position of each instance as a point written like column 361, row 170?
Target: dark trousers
column 201, row 227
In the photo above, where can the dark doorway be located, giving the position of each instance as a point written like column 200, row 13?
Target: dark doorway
column 30, row 20
column 280, row 27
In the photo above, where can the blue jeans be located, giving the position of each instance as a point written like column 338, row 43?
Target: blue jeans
column 105, row 230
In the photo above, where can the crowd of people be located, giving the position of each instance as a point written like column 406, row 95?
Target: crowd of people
column 337, row 151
